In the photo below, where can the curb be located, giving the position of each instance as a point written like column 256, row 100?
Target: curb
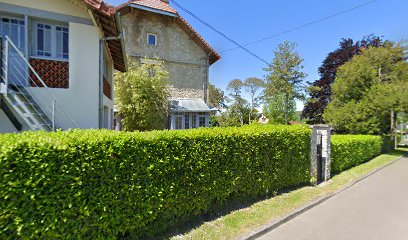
column 275, row 224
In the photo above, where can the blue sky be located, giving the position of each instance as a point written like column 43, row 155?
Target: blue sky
column 247, row 21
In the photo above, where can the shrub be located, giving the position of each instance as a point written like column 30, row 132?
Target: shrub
column 102, row 184
column 351, row 150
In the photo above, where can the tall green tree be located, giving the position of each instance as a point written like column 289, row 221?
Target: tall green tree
column 320, row 90
column 285, row 76
column 141, row 96
column 216, row 97
column 239, row 108
column 253, row 86
column 369, row 90
column 275, row 108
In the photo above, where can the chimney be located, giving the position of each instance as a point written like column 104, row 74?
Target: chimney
column 165, row 1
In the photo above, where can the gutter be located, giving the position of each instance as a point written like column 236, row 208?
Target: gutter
column 102, row 42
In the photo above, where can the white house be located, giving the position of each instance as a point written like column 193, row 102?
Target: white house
column 58, row 58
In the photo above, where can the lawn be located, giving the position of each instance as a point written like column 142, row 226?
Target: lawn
column 240, row 223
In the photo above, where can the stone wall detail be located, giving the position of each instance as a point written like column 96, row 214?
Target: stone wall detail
column 320, row 153
column 186, row 62
column 185, row 92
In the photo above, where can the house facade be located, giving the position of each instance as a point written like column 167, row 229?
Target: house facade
column 154, row 29
column 58, row 58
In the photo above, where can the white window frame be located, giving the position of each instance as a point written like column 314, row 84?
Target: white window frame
column 201, row 116
column 53, row 41
column 155, row 39
column 175, row 121
column 192, row 124
column 21, row 42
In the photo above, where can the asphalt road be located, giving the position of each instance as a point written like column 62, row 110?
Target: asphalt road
column 375, row 208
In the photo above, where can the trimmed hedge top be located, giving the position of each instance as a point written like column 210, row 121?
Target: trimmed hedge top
column 103, row 184
column 351, row 150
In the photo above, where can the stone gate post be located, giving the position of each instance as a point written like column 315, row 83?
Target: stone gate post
column 320, row 153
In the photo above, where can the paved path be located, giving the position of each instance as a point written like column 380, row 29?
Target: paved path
column 375, row 208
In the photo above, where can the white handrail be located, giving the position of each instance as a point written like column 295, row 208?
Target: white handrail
column 41, row 81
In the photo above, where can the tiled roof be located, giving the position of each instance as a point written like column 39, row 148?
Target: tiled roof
column 105, row 16
column 160, row 5
column 155, row 4
column 101, row 6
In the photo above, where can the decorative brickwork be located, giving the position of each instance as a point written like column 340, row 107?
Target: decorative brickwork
column 107, row 89
column 55, row 74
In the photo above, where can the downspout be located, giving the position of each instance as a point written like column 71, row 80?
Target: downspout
column 102, row 42
column 101, row 72
column 101, row 63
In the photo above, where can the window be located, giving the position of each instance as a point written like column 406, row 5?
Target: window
column 179, row 122
column 151, row 39
column 52, row 41
column 194, row 121
column 62, row 42
column 187, row 121
column 14, row 29
column 43, row 40
column 202, row 121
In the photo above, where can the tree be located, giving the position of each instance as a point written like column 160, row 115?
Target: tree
column 320, row 91
column 274, row 109
column 285, row 76
column 253, row 86
column 369, row 90
column 239, row 109
column 141, row 96
column 216, row 97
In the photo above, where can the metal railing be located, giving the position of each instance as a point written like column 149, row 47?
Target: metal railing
column 17, row 77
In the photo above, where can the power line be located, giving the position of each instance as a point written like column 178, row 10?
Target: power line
column 305, row 25
column 219, row 32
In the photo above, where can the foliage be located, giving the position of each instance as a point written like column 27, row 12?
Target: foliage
column 235, row 87
column 214, row 121
column 253, row 87
column 367, row 88
column 274, row 109
column 92, row 184
column 320, row 91
column 285, row 76
column 236, row 114
column 141, row 96
column 351, row 150
column 239, row 110
column 216, row 97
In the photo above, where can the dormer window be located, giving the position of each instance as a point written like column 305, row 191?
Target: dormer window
column 151, row 39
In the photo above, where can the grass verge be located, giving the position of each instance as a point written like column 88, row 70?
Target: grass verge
column 241, row 222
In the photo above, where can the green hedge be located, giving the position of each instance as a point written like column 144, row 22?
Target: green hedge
column 351, row 150
column 102, row 184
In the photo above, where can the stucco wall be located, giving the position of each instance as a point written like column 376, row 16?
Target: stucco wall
column 80, row 100
column 67, row 7
column 184, row 59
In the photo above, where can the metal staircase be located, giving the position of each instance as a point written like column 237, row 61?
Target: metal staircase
column 32, row 100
